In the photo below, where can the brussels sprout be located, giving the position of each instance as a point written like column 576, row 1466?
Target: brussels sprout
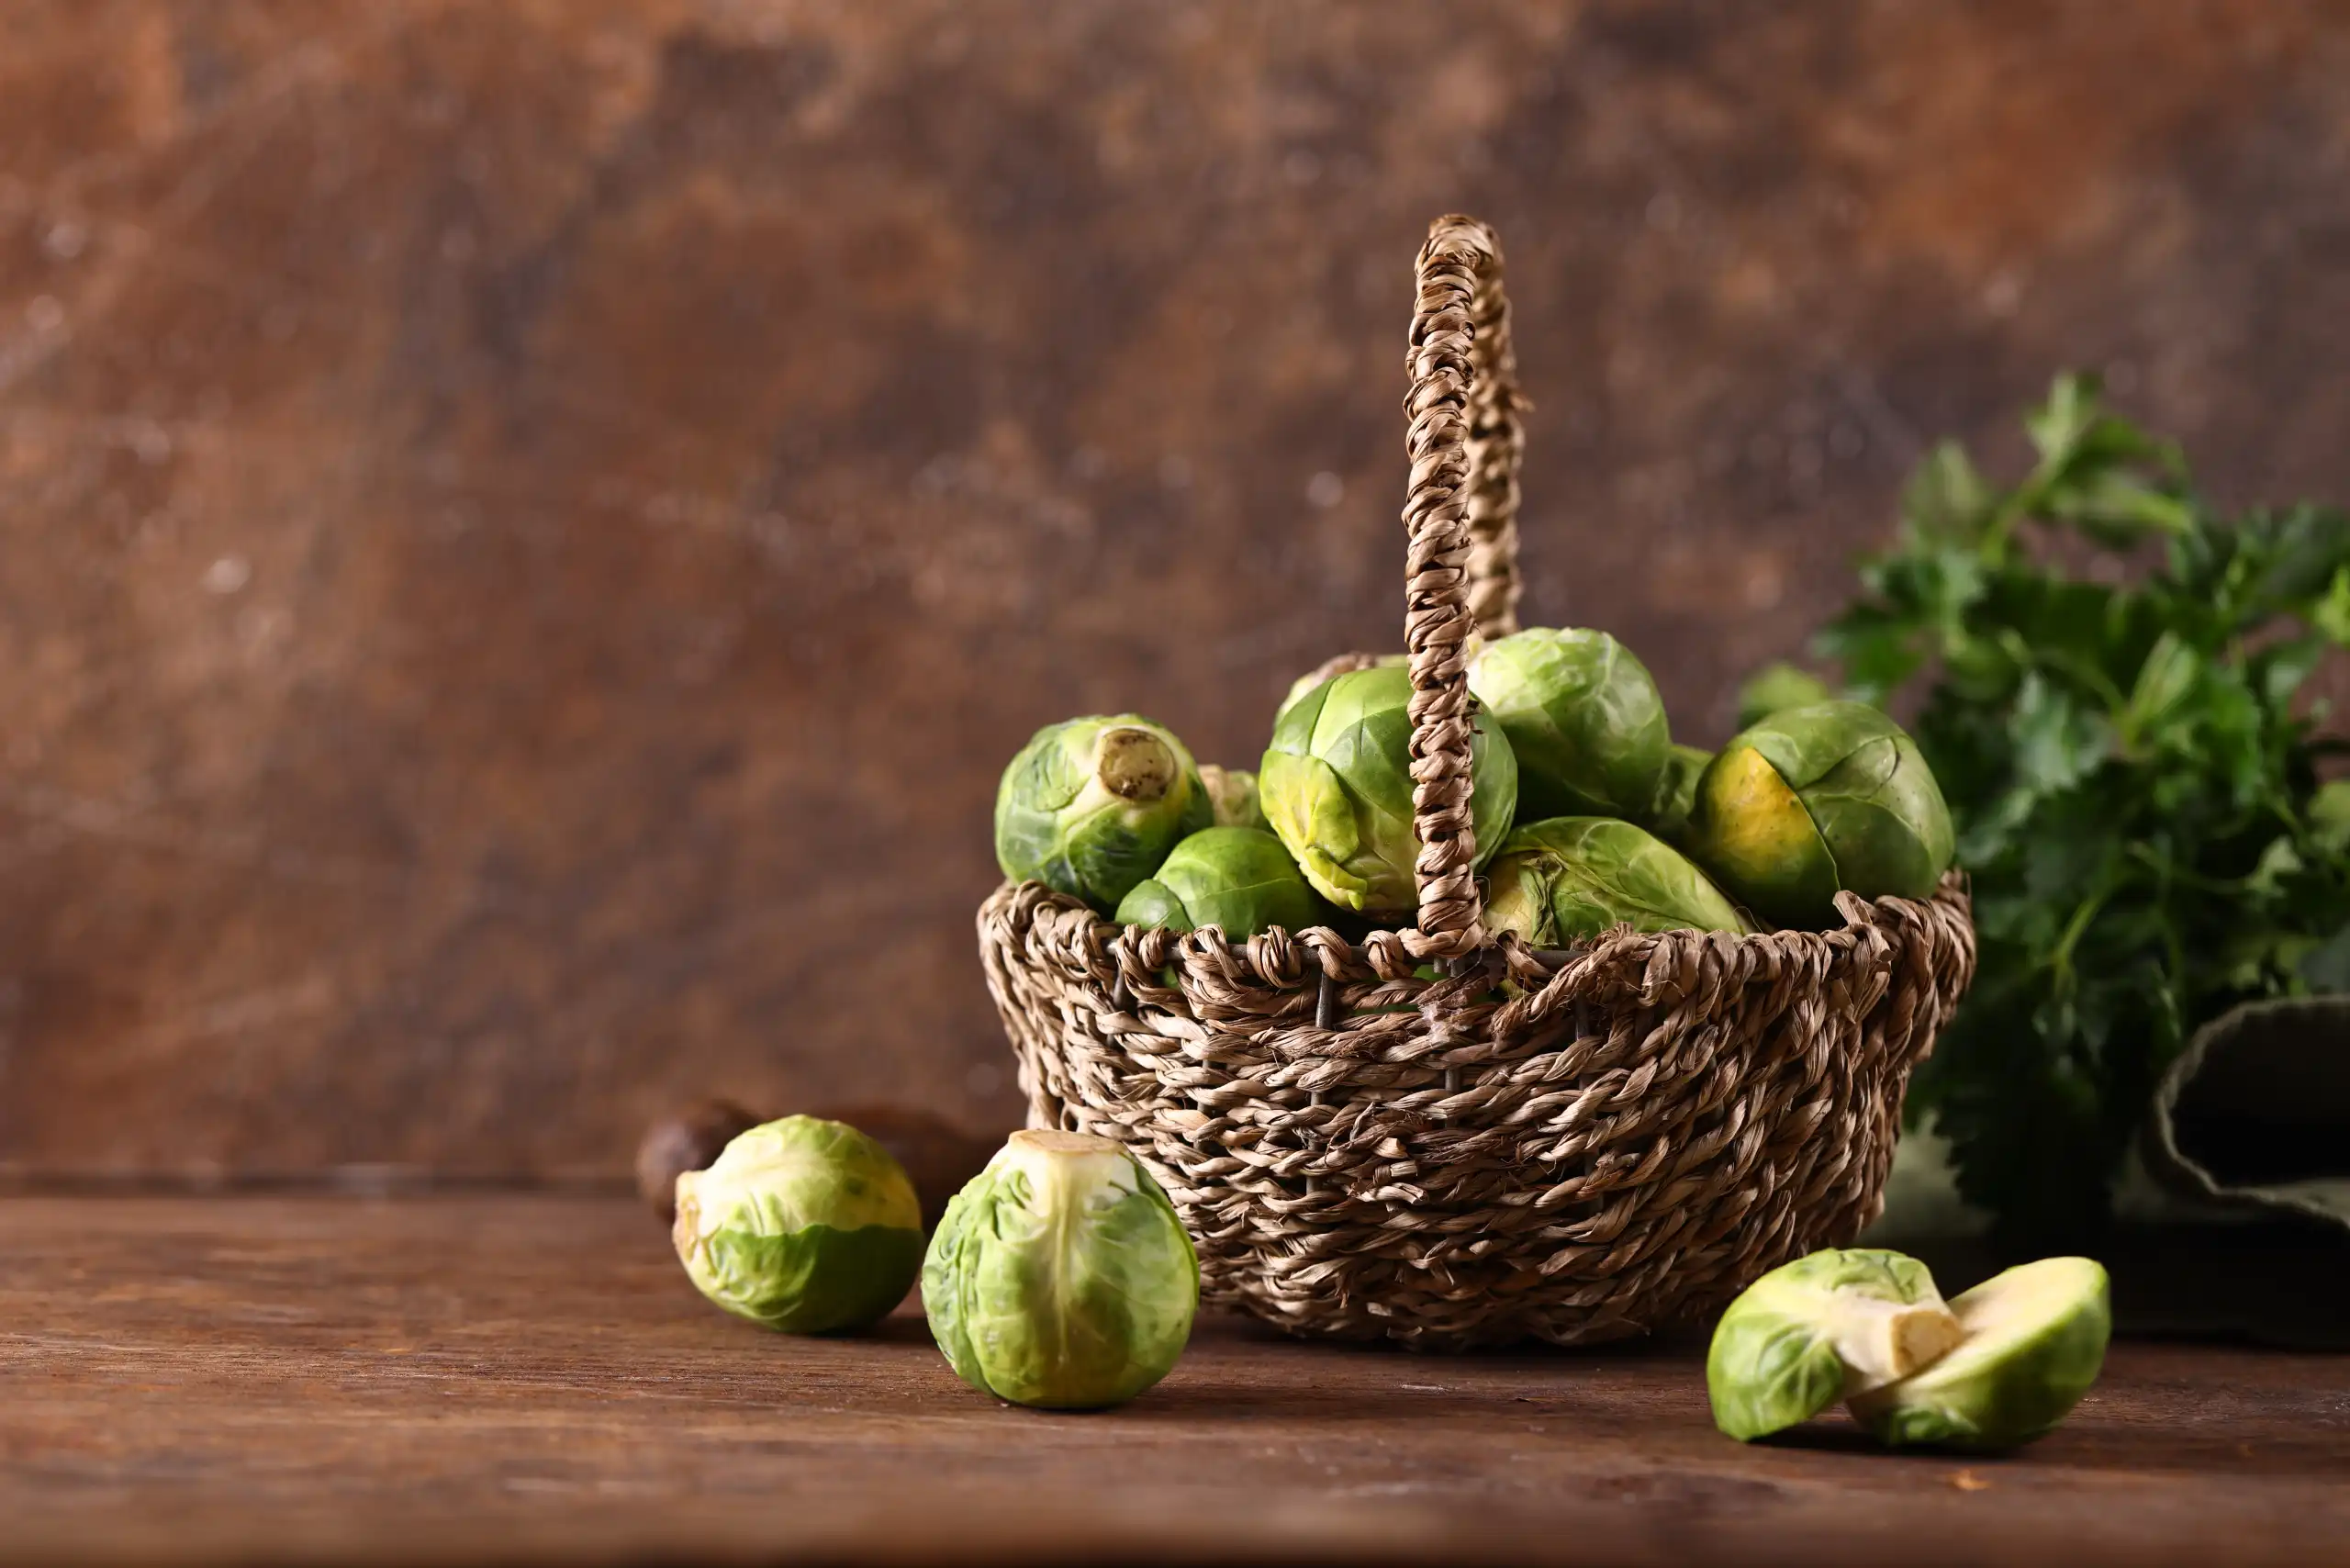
column 1683, row 765
column 1321, row 674
column 1814, row 800
column 1779, row 686
column 2036, row 1341
column 1060, row 1277
column 803, row 1224
column 1337, row 786
column 1584, row 718
column 1239, row 879
column 1571, row 877
column 1835, row 1325
column 1091, row 806
column 1232, row 794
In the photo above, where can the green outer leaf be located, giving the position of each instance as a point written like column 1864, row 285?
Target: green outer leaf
column 1239, row 879
column 814, row 1281
column 803, row 1224
column 1678, row 797
column 1882, row 816
column 1753, row 836
column 1582, row 718
column 1336, row 786
column 1573, row 878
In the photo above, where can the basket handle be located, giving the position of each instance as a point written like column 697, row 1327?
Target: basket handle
column 1460, row 561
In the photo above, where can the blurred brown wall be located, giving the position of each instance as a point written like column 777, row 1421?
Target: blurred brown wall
column 527, row 531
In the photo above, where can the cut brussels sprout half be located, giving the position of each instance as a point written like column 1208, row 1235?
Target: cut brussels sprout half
column 1832, row 1326
column 2034, row 1342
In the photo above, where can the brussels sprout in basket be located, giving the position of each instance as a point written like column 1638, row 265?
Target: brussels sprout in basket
column 1337, row 786
column 1573, row 878
column 1582, row 718
column 1091, row 806
column 2034, row 1342
column 1238, row 879
column 1232, row 794
column 1820, row 1329
column 1060, row 1277
column 803, row 1224
column 1682, row 767
column 1816, row 800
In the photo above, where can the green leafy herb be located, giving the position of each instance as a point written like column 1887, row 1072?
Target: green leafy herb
column 2134, row 787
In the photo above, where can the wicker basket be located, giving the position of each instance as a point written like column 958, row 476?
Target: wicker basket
column 1573, row 1146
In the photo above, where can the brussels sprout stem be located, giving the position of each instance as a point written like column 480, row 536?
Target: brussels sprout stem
column 1881, row 1342
column 1134, row 764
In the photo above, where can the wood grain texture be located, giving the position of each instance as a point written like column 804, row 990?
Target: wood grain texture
column 516, row 1379
column 529, row 529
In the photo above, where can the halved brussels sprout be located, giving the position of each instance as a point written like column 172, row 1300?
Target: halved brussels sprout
column 1091, row 806
column 1814, row 800
column 1582, row 718
column 1832, row 1326
column 1337, row 786
column 1060, row 1277
column 2035, row 1339
column 1238, row 879
column 1232, row 793
column 1573, row 878
column 803, row 1224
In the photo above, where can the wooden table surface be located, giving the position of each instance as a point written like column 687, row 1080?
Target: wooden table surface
column 532, row 1378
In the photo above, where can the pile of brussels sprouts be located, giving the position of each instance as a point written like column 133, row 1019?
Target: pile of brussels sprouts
column 1995, row 1369
column 1613, row 822
column 1059, row 1277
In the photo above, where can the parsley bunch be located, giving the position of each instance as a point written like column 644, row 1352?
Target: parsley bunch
column 2136, row 796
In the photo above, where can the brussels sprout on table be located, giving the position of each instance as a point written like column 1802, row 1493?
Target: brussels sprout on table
column 1232, row 796
column 1572, row 878
column 1582, row 718
column 1828, row 1327
column 1816, row 800
column 1238, row 879
column 803, row 1224
column 2034, row 1341
column 1091, row 806
column 1060, row 1277
column 1337, row 786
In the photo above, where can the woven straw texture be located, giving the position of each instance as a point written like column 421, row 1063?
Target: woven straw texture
column 1441, row 1137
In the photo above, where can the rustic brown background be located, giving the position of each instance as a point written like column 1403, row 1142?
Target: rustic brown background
column 526, row 530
